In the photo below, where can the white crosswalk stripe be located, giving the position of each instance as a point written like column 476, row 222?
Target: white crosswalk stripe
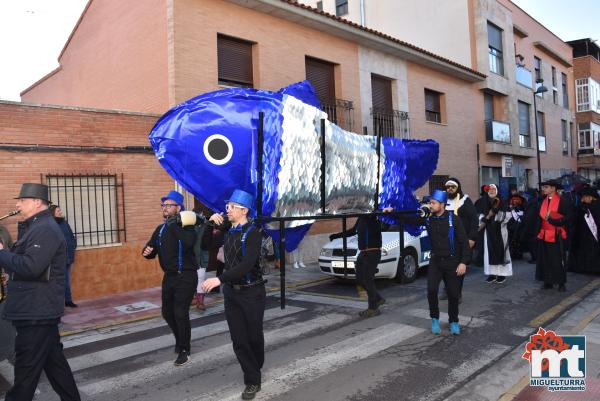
column 219, row 353
column 91, row 336
column 323, row 361
column 136, row 348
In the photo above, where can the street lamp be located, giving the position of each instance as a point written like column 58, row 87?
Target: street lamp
column 540, row 89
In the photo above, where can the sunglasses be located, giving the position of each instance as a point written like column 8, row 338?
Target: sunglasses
column 231, row 207
column 168, row 205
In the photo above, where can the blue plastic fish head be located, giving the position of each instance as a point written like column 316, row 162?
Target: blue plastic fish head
column 208, row 143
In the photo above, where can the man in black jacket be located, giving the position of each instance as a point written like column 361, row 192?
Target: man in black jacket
column 450, row 255
column 243, row 289
column 368, row 230
column 35, row 303
column 462, row 206
column 174, row 246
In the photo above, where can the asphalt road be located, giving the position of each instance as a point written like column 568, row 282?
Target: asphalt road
column 319, row 349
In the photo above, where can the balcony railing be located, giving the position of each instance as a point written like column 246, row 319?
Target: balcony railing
column 524, row 76
column 525, row 141
column 340, row 112
column 589, row 151
column 496, row 131
column 390, row 123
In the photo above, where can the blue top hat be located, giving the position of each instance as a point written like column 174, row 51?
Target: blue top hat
column 440, row 196
column 174, row 196
column 242, row 198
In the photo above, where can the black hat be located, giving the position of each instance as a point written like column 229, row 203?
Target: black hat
column 590, row 191
column 553, row 183
column 33, row 190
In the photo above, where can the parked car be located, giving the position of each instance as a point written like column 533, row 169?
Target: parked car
column 417, row 251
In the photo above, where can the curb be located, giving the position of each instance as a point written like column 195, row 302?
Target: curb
column 67, row 333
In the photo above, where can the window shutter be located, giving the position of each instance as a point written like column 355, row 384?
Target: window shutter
column 494, row 37
column 523, row 118
column 235, row 61
column 381, row 93
column 321, row 76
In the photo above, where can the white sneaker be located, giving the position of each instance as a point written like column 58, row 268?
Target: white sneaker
column 296, row 265
column 302, row 264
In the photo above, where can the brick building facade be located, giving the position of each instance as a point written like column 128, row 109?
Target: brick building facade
column 47, row 143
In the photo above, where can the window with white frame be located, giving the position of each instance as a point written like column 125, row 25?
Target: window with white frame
column 583, row 94
column 585, row 136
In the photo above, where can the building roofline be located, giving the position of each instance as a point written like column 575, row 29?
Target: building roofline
column 64, row 48
column 39, row 81
column 74, row 108
column 538, row 22
column 87, row 6
column 591, row 42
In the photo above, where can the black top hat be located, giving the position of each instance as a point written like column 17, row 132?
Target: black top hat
column 32, row 190
column 588, row 191
column 553, row 183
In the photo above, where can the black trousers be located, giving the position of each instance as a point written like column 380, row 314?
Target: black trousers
column 366, row 268
column 244, row 310
column 443, row 269
column 177, row 293
column 39, row 348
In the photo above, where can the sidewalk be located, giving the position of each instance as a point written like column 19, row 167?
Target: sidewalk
column 592, row 393
column 508, row 378
column 145, row 304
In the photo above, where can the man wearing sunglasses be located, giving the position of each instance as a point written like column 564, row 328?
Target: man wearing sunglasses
column 174, row 246
column 462, row 206
column 243, row 288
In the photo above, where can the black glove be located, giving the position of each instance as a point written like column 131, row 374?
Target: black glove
column 334, row 236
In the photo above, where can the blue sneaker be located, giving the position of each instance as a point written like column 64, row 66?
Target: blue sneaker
column 454, row 328
column 435, row 326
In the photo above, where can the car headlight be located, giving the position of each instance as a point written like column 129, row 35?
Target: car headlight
column 328, row 252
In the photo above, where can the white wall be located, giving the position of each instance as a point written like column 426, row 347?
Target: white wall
column 374, row 62
column 439, row 26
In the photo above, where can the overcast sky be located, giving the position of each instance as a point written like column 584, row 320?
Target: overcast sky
column 33, row 32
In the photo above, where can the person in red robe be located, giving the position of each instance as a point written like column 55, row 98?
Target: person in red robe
column 552, row 222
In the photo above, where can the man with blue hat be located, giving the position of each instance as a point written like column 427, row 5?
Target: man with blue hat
column 243, row 287
column 174, row 245
column 450, row 254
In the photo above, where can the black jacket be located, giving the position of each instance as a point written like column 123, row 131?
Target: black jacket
column 438, row 230
column 70, row 240
column 40, row 245
column 167, row 247
column 242, row 263
column 368, row 229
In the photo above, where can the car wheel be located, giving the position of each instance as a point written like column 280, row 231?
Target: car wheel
column 407, row 272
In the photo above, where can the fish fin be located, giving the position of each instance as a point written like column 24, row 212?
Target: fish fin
column 303, row 91
column 293, row 236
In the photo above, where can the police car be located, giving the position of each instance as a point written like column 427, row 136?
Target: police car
column 417, row 251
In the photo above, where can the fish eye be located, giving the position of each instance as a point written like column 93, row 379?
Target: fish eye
column 218, row 149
